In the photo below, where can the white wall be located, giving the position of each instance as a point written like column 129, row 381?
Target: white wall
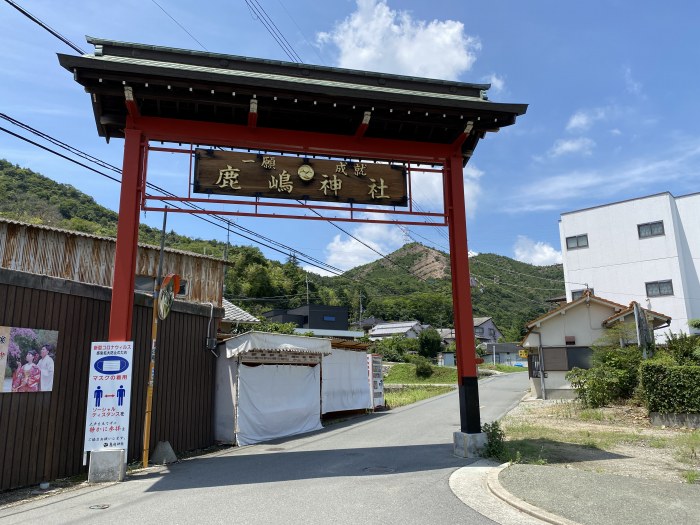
column 617, row 263
column 688, row 208
column 584, row 322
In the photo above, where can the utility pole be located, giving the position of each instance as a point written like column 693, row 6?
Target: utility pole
column 307, row 289
column 360, row 319
column 228, row 231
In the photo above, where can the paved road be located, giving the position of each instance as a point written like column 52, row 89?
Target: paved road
column 390, row 467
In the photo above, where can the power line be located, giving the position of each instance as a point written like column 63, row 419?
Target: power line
column 259, row 12
column 46, row 27
column 301, row 256
column 106, row 165
column 180, row 25
column 301, row 32
column 287, row 249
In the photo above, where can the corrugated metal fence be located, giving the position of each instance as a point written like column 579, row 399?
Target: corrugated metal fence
column 41, row 433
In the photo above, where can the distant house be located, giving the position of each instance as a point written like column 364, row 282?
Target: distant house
column 485, row 330
column 235, row 316
column 562, row 339
column 409, row 329
column 322, row 320
column 503, row 353
column 367, row 323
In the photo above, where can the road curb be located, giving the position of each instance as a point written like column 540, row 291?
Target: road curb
column 495, row 487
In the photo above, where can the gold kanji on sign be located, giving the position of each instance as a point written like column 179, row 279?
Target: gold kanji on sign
column 331, row 184
column 340, row 168
column 281, row 182
column 268, row 163
column 377, row 190
column 228, row 178
column 359, row 169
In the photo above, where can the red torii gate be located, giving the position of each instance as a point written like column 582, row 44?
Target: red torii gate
column 149, row 94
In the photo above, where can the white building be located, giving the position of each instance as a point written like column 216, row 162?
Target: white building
column 645, row 250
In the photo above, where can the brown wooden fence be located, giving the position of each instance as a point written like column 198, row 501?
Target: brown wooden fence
column 41, row 433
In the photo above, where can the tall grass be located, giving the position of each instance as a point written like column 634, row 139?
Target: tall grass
column 412, row 394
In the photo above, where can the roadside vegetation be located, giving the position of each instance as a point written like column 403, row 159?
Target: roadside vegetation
column 412, row 394
column 503, row 368
column 617, row 439
column 405, row 373
column 607, row 429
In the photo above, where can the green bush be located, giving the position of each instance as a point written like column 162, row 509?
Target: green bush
column 495, row 440
column 671, row 389
column 395, row 348
column 599, row 385
column 684, row 348
column 625, row 360
column 423, row 368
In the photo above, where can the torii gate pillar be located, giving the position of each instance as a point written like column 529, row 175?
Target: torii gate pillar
column 121, row 312
column 470, row 418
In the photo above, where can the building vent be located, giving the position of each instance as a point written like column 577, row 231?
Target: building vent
column 569, row 340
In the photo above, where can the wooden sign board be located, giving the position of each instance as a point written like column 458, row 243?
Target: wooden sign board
column 278, row 177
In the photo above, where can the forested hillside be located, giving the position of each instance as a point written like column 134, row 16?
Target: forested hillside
column 411, row 283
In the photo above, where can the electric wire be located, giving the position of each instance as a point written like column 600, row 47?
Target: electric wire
column 301, row 32
column 288, row 249
column 257, row 11
column 45, row 148
column 180, row 25
column 46, row 27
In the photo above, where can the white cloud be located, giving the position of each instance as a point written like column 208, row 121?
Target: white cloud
column 605, row 183
column 498, row 84
column 348, row 253
column 537, row 253
column 583, row 119
column 428, row 193
column 375, row 37
column 581, row 145
column 615, row 131
column 631, row 84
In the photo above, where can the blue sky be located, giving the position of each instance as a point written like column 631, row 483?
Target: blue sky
column 611, row 84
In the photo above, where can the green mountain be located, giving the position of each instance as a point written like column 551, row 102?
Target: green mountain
column 411, row 283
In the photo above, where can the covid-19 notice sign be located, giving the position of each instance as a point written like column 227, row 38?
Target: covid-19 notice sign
column 109, row 396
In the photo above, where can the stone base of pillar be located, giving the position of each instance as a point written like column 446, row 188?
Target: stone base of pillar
column 469, row 445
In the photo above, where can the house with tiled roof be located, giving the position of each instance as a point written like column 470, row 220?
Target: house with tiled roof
column 563, row 339
column 409, row 329
column 235, row 316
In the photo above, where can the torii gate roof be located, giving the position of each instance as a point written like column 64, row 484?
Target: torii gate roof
column 218, row 88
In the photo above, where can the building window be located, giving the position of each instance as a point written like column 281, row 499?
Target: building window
column 492, row 332
column 577, row 241
column 479, row 330
column 329, row 317
column 577, row 294
column 658, row 288
column 650, row 229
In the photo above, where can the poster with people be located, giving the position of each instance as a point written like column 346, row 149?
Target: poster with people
column 27, row 359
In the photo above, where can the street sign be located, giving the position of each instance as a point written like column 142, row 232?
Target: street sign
column 109, row 396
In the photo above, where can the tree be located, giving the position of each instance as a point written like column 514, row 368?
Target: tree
column 429, row 342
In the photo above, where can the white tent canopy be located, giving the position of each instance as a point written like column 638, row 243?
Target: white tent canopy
column 276, row 342
column 345, row 381
column 268, row 386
